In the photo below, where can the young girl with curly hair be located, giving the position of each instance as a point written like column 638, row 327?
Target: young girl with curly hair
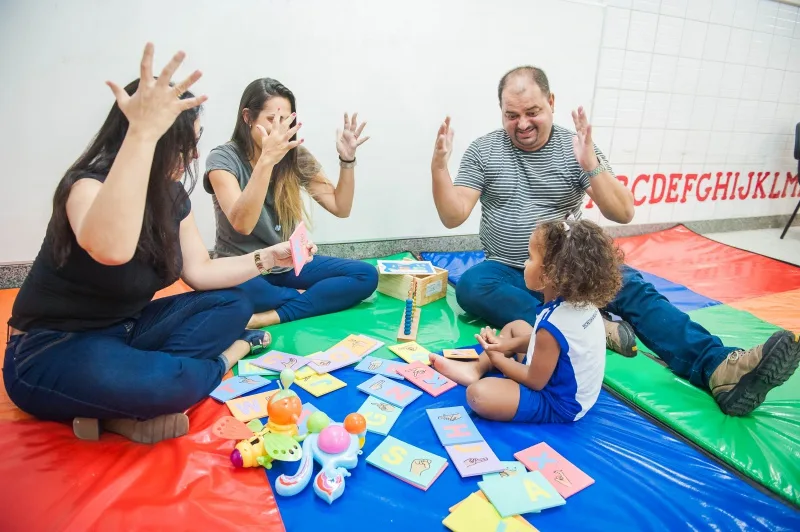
column 553, row 369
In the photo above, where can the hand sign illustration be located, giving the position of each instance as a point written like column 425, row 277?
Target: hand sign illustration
column 420, row 465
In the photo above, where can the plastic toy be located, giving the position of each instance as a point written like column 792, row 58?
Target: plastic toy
column 335, row 447
column 261, row 444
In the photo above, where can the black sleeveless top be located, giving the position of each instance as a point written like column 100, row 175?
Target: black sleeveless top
column 84, row 294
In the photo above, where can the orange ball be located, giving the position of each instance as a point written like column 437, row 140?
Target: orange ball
column 355, row 423
column 285, row 410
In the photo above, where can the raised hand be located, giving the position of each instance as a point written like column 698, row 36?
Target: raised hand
column 349, row 138
column 155, row 105
column 582, row 144
column 277, row 143
column 444, row 144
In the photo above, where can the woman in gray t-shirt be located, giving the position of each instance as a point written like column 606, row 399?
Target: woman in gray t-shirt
column 255, row 181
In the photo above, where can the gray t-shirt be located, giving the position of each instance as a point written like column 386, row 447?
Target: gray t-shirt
column 267, row 232
column 520, row 189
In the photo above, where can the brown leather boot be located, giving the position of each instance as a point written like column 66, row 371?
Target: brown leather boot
column 620, row 338
column 741, row 382
column 147, row 431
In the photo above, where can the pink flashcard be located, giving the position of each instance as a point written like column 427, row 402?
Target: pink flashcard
column 278, row 361
column 298, row 242
column 427, row 378
column 565, row 477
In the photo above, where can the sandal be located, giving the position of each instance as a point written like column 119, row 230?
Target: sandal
column 257, row 339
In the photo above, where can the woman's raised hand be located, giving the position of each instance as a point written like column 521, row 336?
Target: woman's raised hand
column 277, row 143
column 155, row 105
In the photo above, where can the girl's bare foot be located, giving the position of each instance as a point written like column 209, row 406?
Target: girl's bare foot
column 464, row 373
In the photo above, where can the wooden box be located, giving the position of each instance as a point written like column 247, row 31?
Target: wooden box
column 428, row 287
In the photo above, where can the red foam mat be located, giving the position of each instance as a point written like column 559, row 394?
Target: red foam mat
column 49, row 480
column 715, row 270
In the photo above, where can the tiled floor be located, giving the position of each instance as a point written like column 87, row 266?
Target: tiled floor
column 765, row 242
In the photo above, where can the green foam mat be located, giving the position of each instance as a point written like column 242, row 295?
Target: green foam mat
column 370, row 317
column 764, row 446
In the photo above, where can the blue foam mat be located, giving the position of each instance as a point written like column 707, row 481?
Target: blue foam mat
column 456, row 263
column 645, row 479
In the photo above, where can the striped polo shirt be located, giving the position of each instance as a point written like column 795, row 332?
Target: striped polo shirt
column 520, row 189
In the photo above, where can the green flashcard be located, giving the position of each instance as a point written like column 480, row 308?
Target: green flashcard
column 521, row 494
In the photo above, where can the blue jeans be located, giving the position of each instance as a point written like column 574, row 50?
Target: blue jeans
column 163, row 362
column 330, row 285
column 497, row 293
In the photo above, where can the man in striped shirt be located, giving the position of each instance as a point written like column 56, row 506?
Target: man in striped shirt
column 531, row 171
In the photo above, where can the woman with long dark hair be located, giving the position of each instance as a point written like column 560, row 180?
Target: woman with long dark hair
column 86, row 341
column 256, row 181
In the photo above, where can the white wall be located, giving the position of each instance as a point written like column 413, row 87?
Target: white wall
column 688, row 87
column 402, row 65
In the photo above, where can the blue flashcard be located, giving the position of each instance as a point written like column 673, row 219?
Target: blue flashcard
column 408, row 463
column 510, row 468
column 389, row 390
column 308, row 409
column 380, row 415
column 236, row 386
column 453, row 425
column 521, row 494
column 381, row 366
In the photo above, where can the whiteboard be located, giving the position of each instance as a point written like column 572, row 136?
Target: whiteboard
column 402, row 65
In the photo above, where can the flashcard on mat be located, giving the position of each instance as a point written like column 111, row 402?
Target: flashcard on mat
column 251, row 407
column 473, row 459
column 380, row 415
column 510, row 468
column 245, row 368
column 460, row 354
column 334, row 358
column 477, row 513
column 407, row 463
column 298, row 243
column 380, row 366
column 453, row 425
column 316, row 384
column 236, row 386
column 360, row 345
column 278, row 361
column 521, row 494
column 560, row 472
column 412, row 352
column 389, row 390
column 427, row 378
column 308, row 409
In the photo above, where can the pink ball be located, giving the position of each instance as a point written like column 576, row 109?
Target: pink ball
column 334, row 439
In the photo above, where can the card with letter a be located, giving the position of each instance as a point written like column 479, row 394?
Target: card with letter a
column 427, row 378
column 389, row 390
column 316, row 384
column 453, row 425
column 521, row 494
column 408, row 463
column 236, row 386
column 278, row 360
column 380, row 415
column 380, row 366
column 565, row 477
column 298, row 242
column 473, row 459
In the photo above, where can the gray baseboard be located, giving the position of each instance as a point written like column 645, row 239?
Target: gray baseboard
column 12, row 274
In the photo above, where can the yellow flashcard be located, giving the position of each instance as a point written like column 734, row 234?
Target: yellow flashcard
column 359, row 345
column 316, row 384
column 411, row 352
column 250, row 407
column 477, row 513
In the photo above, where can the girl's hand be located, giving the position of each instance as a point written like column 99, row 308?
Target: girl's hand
column 491, row 342
column 348, row 140
column 155, row 105
column 277, row 143
column 281, row 254
column 495, row 357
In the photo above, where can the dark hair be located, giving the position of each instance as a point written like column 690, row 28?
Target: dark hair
column 582, row 263
column 286, row 174
column 176, row 148
column 537, row 74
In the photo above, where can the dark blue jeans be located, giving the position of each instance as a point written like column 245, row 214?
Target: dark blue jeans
column 161, row 363
column 330, row 285
column 497, row 293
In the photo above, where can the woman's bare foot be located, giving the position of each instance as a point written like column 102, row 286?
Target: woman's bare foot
column 263, row 319
column 464, row 373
